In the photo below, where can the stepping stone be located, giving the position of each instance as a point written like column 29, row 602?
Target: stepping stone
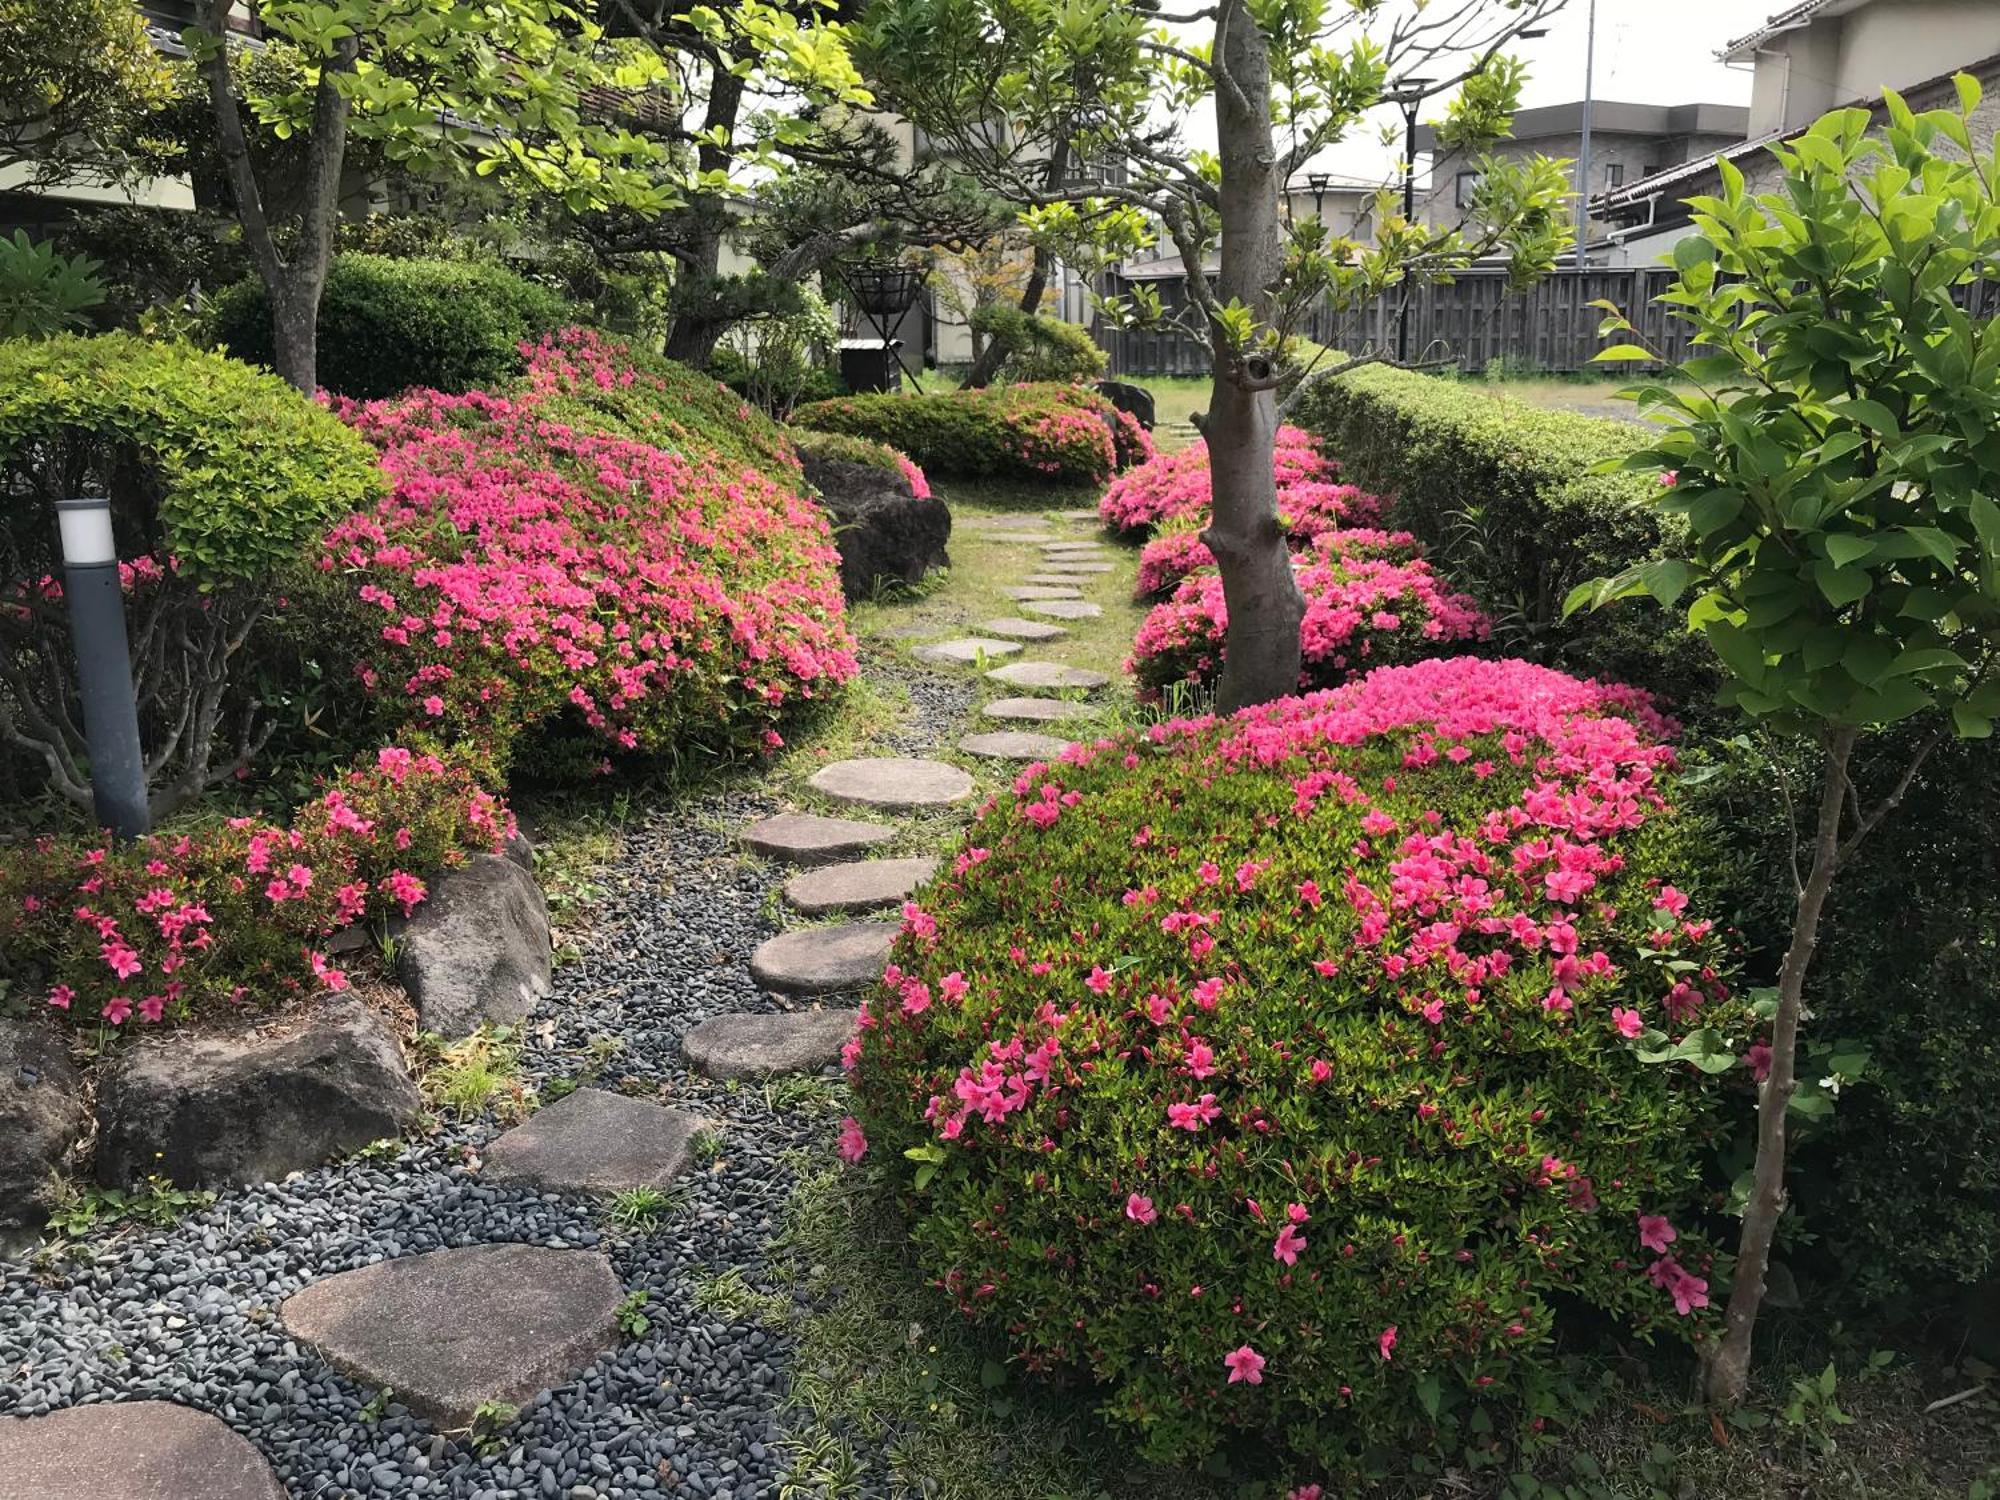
column 594, row 1142
column 1074, row 549
column 1061, row 609
column 1050, row 565
column 130, row 1450
column 454, row 1329
column 861, row 886
column 1027, row 522
column 807, row 839
column 751, row 1046
column 1043, row 709
column 1014, row 744
column 1025, row 538
column 1023, row 630
column 892, row 781
column 824, row 960
column 966, row 652
column 1067, row 582
column 1079, row 515
column 1042, row 591
column 1049, row 677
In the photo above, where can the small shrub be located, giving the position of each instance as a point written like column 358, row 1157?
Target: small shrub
column 43, row 293
column 835, row 447
column 223, row 913
column 1056, row 434
column 1175, row 486
column 386, row 325
column 1308, row 508
column 1285, row 1074
column 1371, row 601
column 1036, row 347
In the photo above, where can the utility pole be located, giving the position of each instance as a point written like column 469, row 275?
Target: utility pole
column 1583, row 155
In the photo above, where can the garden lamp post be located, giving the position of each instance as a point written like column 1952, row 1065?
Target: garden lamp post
column 1409, row 96
column 103, row 665
column 1319, row 182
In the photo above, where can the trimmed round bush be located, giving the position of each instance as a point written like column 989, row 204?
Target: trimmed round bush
column 1051, row 434
column 1037, row 347
column 1175, row 486
column 1371, row 601
column 1308, row 509
column 1285, row 1074
column 387, row 325
column 835, row 447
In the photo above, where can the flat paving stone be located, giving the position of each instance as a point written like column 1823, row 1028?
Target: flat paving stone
column 593, row 1141
column 824, row 960
column 892, row 781
column 1023, row 630
column 1025, row 538
column 1052, row 565
column 1061, row 609
column 130, row 1450
column 1068, row 582
column 862, row 885
column 451, row 1330
column 966, row 651
column 1074, row 549
column 749, row 1046
column 1042, row 591
column 808, row 839
column 1043, row 710
column 1014, row 744
column 1079, row 515
column 1049, row 677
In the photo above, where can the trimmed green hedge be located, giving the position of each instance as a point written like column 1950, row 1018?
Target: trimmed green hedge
column 1503, row 496
column 386, row 325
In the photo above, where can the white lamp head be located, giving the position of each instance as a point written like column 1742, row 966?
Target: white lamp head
column 85, row 525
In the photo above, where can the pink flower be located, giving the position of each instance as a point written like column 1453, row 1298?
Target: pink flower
column 1193, row 1116
column 853, row 1143
column 1655, row 1233
column 1628, row 1022
column 1387, row 1343
column 1139, row 1209
column 116, row 1010
column 1289, row 1243
column 1304, row 1492
column 1245, row 1364
column 61, row 995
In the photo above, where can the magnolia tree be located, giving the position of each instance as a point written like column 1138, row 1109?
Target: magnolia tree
column 1075, row 110
column 1834, row 463
column 433, row 88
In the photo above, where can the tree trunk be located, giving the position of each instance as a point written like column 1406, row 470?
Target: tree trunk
column 294, row 300
column 989, row 359
column 694, row 334
column 693, row 337
column 1261, row 652
column 1727, row 1374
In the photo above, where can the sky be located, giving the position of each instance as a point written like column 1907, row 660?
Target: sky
column 1648, row 52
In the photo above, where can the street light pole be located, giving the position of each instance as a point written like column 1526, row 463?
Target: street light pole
column 1410, row 95
column 103, row 665
column 1583, row 153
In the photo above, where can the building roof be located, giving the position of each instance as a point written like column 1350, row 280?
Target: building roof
column 1785, row 20
column 1617, row 117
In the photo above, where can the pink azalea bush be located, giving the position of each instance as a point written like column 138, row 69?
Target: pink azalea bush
column 1174, row 553
column 1176, row 485
column 1048, row 432
column 1371, row 600
column 532, row 569
column 236, row 912
column 1280, row 1073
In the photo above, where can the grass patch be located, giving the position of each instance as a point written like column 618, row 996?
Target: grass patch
column 482, row 1071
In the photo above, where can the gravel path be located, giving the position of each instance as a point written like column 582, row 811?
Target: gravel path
column 691, row 1408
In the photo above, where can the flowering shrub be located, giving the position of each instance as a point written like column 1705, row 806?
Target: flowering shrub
column 526, row 570
column 1284, row 1072
column 1308, row 510
column 838, row 448
column 1176, row 485
column 1060, row 434
column 237, row 912
column 1371, row 600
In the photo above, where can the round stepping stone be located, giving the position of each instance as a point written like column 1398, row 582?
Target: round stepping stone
column 861, row 886
column 1061, row 609
column 1042, row 591
column 1042, row 709
column 594, row 1142
column 1023, row 630
column 762, row 1046
column 892, row 781
column 1068, row 583
column 454, row 1329
column 966, row 651
column 133, row 1450
column 824, row 960
column 808, row 839
column 1014, row 744
column 1049, row 677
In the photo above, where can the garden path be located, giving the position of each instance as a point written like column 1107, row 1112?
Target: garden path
column 593, row 1303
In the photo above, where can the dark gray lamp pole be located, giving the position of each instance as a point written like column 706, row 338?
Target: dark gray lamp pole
column 1410, row 96
column 103, row 665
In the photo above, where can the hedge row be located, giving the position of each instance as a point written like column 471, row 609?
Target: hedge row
column 1504, row 496
column 1046, row 434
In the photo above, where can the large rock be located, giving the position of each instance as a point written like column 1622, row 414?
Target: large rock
column 884, row 533
column 452, row 1330
column 478, row 949
column 1134, row 400
column 42, row 1117
column 252, row 1105
column 130, row 1450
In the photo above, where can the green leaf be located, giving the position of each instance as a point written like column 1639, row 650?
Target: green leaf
column 1623, row 351
column 1846, row 549
column 1665, row 578
column 1970, row 725
column 1841, row 586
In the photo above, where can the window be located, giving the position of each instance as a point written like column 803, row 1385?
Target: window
column 1614, row 175
column 1652, row 169
column 1467, row 188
